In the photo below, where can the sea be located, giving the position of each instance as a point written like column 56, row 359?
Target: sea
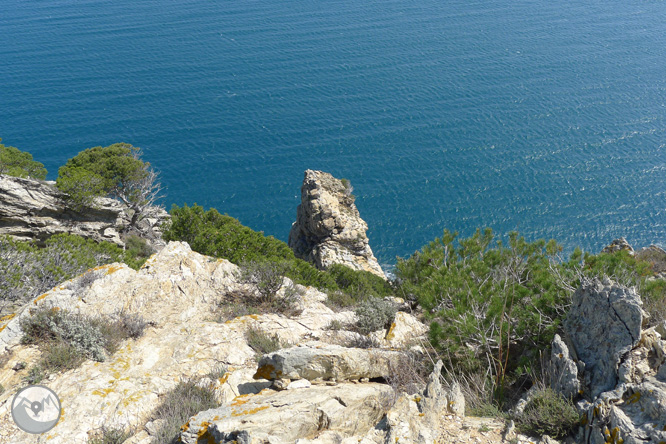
column 546, row 117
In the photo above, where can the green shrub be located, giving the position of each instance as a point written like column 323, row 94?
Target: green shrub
column 138, row 247
column 374, row 314
column 60, row 356
column 494, row 305
column 15, row 162
column 548, row 413
column 178, row 406
column 359, row 284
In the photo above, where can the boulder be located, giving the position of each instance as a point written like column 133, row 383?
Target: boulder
column 285, row 416
column 328, row 228
column 618, row 365
column 323, row 361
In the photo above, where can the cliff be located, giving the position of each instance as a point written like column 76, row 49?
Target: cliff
column 36, row 210
column 328, row 228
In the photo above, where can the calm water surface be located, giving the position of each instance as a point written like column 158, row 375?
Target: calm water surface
column 548, row 117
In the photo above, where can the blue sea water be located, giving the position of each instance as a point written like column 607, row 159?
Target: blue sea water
column 547, row 117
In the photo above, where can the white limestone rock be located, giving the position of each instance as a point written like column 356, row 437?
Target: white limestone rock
column 328, row 228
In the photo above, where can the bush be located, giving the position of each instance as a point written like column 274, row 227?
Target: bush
column 15, row 162
column 261, row 342
column 138, row 247
column 359, row 284
column 548, row 413
column 374, row 314
column 178, row 406
column 66, row 339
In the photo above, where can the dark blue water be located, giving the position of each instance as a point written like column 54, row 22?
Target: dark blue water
column 548, row 117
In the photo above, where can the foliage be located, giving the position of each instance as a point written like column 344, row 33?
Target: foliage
column 359, row 284
column 116, row 171
column 15, row 162
column 490, row 308
column 548, row 413
column 28, row 270
column 222, row 236
column 178, row 406
column 374, row 314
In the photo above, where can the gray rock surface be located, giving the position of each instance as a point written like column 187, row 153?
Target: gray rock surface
column 604, row 323
column 621, row 365
column 35, row 210
column 328, row 228
column 325, row 361
column 563, row 370
column 620, row 244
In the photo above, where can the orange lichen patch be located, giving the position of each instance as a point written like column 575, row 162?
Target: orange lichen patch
column 62, row 415
column 634, row 398
column 390, row 334
column 185, row 427
column 240, row 400
column 204, row 429
column 109, row 268
column 8, row 317
column 224, row 378
column 249, row 411
column 131, row 399
column 39, row 298
column 267, row 372
column 103, row 393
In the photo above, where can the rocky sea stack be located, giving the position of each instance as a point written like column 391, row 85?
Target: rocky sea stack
column 328, row 228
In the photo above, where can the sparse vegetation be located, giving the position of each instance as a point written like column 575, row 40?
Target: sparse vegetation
column 178, row 406
column 67, row 339
column 111, row 435
column 28, row 270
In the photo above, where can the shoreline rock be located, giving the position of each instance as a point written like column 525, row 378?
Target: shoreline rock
column 328, row 228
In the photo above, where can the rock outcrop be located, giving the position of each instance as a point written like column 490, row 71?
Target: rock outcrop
column 620, row 244
column 177, row 292
column 35, row 210
column 620, row 368
column 328, row 228
column 327, row 362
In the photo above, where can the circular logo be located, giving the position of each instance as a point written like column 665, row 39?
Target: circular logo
column 36, row 409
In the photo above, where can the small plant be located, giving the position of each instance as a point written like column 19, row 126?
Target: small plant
column 548, row 413
column 178, row 406
column 2, row 389
column 484, row 428
column 335, row 325
column 268, row 277
column 35, row 375
column 217, row 372
column 261, row 342
column 408, row 373
column 374, row 314
column 111, row 435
